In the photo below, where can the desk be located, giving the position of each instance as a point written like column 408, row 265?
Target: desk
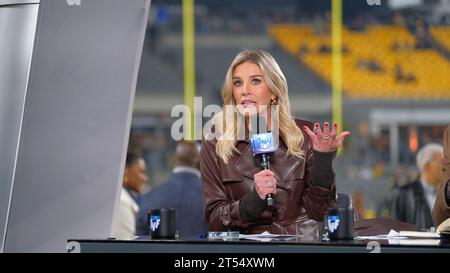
column 194, row 245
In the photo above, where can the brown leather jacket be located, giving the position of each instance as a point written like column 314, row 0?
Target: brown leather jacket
column 441, row 209
column 226, row 187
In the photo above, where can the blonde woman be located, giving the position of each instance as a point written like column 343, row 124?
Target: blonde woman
column 300, row 177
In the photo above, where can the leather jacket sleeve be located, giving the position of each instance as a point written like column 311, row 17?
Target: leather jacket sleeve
column 441, row 209
column 321, row 191
column 220, row 212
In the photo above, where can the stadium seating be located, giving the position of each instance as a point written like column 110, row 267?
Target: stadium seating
column 442, row 35
column 380, row 63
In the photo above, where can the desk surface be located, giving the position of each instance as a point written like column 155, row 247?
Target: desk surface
column 194, row 245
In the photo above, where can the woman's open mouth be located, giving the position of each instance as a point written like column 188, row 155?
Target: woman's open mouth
column 248, row 103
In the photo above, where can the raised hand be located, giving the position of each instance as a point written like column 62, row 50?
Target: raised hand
column 325, row 141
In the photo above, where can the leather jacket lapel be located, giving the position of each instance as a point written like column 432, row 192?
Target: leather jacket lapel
column 245, row 164
column 282, row 166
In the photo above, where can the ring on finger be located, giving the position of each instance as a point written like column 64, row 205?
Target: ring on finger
column 325, row 136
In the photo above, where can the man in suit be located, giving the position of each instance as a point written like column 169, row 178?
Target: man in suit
column 413, row 202
column 441, row 210
column 181, row 191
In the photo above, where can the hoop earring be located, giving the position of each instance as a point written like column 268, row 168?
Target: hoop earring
column 273, row 101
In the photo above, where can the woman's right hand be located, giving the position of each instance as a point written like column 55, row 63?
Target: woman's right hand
column 265, row 183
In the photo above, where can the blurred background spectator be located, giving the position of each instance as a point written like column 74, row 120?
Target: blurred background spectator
column 180, row 191
column 134, row 179
column 413, row 202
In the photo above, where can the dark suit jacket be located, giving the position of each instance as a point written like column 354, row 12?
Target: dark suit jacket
column 441, row 210
column 181, row 191
column 409, row 205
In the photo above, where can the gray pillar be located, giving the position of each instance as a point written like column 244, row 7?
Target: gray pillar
column 394, row 144
column 75, row 124
column 18, row 23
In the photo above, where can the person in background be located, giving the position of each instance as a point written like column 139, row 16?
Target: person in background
column 412, row 203
column 180, row 191
column 134, row 178
column 441, row 209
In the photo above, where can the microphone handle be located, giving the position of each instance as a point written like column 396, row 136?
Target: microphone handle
column 265, row 165
column 269, row 200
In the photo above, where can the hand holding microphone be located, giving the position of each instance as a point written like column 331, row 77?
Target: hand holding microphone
column 265, row 183
column 263, row 146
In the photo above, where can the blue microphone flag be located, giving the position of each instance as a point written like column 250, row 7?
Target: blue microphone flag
column 262, row 143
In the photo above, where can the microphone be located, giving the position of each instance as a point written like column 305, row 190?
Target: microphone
column 263, row 145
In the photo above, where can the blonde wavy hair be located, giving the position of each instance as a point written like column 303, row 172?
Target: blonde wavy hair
column 274, row 77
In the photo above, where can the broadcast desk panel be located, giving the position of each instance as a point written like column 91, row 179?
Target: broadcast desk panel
column 145, row 244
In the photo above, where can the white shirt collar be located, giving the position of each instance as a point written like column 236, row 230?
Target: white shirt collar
column 427, row 188
column 180, row 169
column 430, row 193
